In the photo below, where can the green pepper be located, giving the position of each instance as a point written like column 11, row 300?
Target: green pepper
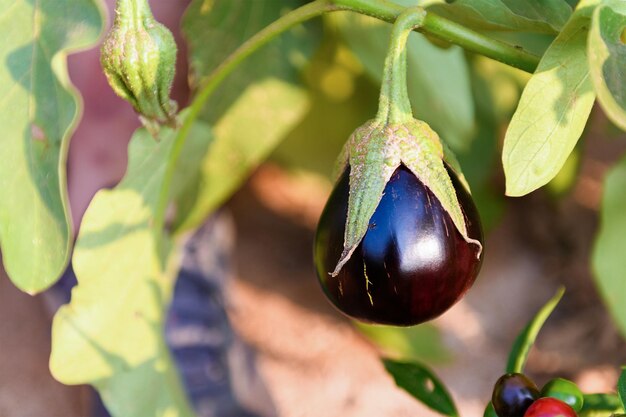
column 564, row 390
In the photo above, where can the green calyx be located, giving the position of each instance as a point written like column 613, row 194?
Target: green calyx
column 138, row 57
column 393, row 138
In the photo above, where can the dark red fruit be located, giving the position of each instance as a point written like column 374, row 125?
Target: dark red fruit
column 550, row 407
column 411, row 266
column 513, row 394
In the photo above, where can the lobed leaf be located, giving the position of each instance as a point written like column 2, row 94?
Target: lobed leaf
column 111, row 334
column 608, row 260
column 552, row 111
column 254, row 109
column 419, row 381
column 606, row 48
column 39, row 110
column 244, row 137
column 215, row 29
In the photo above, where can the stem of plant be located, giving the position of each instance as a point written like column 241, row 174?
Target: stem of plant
column 394, row 106
column 132, row 9
column 448, row 31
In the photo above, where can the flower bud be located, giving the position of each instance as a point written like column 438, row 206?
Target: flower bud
column 139, row 60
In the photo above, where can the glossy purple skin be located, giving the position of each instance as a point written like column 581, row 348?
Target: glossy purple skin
column 513, row 394
column 417, row 263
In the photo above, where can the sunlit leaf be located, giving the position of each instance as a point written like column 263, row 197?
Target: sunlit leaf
column 552, row 112
column 111, row 334
column 255, row 108
column 244, row 137
column 39, row 110
column 565, row 180
column 607, row 58
column 214, row 29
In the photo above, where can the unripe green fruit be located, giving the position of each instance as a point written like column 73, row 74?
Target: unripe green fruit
column 138, row 57
column 564, row 390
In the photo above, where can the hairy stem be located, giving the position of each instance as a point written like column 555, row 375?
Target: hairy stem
column 394, row 106
column 132, row 10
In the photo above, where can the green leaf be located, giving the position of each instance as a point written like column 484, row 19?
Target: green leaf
column 214, row 29
column 621, row 387
column 244, row 137
column 421, row 342
column 607, row 58
column 254, row 109
column 340, row 92
column 111, row 334
column 526, row 339
column 552, row 112
column 38, row 113
column 608, row 260
column 496, row 91
column 189, row 164
column 439, row 84
column 565, row 180
column 546, row 16
column 422, row 384
column 490, row 411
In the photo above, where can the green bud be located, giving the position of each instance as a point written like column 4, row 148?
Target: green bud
column 139, row 60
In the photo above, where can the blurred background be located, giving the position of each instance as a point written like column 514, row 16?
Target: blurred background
column 314, row 361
